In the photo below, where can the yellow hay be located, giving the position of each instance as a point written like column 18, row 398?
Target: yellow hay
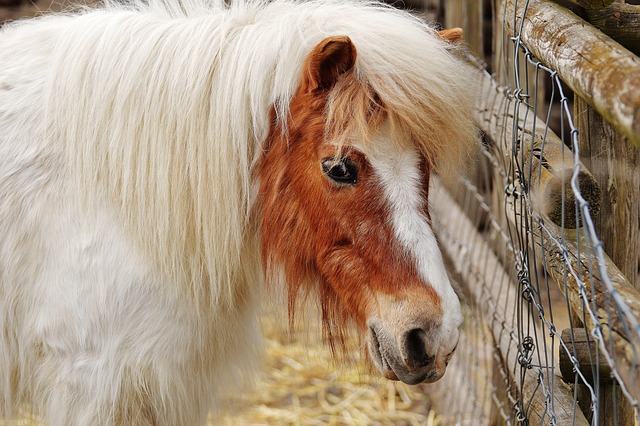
column 301, row 386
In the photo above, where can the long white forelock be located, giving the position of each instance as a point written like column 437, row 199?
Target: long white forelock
column 165, row 105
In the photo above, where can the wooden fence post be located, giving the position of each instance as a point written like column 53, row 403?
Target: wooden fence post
column 615, row 164
column 468, row 15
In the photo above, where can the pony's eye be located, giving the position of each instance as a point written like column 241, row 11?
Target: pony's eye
column 340, row 170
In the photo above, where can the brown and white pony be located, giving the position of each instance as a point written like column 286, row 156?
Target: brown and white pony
column 160, row 161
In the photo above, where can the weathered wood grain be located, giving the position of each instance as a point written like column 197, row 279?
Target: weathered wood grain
column 598, row 69
column 583, row 348
column 615, row 165
column 467, row 14
column 613, row 408
column 619, row 21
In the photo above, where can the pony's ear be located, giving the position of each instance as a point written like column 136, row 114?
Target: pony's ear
column 330, row 59
column 451, row 34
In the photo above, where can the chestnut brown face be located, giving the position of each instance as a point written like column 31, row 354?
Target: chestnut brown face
column 352, row 219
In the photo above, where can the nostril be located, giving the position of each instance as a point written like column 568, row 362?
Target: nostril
column 415, row 349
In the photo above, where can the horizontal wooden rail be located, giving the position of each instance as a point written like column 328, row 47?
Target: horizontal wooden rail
column 620, row 21
column 597, row 68
column 547, row 165
column 582, row 348
column 496, row 296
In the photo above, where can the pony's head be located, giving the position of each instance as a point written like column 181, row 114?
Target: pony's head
column 343, row 192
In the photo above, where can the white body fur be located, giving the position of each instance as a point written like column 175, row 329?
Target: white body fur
column 129, row 269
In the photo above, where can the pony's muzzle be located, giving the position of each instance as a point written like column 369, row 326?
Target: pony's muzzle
column 413, row 350
column 411, row 355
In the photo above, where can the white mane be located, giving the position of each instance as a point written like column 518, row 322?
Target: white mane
column 166, row 106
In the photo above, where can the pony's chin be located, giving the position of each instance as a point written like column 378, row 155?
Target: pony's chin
column 411, row 379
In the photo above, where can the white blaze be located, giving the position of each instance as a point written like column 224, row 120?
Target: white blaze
column 398, row 169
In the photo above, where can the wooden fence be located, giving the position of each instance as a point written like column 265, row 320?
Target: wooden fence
column 543, row 231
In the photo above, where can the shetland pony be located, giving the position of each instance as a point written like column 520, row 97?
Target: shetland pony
column 160, row 161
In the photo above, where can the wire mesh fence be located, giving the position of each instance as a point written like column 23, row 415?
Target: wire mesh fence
column 552, row 331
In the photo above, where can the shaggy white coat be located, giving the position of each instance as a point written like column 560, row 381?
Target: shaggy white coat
column 129, row 264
